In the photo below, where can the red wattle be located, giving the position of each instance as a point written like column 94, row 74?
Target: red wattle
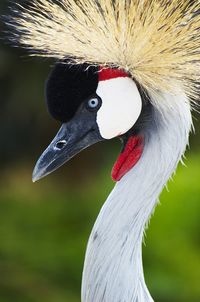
column 129, row 157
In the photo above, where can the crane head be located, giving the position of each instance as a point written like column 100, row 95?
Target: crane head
column 93, row 104
column 156, row 42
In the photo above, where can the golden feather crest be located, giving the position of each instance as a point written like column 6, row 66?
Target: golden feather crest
column 157, row 41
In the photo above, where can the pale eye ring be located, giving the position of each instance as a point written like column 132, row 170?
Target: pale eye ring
column 93, row 103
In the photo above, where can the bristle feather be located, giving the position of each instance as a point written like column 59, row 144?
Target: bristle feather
column 157, row 41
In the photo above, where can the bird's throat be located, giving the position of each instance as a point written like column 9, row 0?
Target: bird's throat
column 129, row 157
column 113, row 269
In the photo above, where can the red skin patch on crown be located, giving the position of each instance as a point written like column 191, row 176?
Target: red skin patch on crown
column 129, row 157
column 111, row 73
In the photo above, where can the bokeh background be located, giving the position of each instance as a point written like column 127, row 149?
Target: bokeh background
column 44, row 227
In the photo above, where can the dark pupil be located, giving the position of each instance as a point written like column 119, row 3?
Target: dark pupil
column 93, row 103
column 69, row 86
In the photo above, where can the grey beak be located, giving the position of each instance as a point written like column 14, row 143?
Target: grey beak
column 73, row 137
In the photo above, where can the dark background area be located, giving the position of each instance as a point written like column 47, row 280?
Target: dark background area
column 44, row 227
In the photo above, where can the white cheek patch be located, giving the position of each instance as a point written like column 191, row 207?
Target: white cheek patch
column 121, row 106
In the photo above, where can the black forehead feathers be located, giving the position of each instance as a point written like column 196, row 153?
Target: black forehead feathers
column 67, row 87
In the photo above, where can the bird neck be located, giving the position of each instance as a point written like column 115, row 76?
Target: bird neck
column 113, row 269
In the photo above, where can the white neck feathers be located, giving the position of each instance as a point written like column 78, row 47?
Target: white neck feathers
column 113, row 269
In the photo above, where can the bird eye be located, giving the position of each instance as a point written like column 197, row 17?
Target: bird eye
column 93, row 103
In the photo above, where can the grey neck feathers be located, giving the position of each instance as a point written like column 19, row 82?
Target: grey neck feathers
column 113, row 270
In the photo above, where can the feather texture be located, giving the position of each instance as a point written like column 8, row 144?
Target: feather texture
column 156, row 41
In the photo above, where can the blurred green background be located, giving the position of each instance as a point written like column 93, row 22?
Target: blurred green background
column 44, row 227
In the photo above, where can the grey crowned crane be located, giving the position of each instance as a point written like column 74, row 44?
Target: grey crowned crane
column 128, row 69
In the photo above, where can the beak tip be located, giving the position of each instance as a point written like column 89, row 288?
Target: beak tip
column 35, row 178
column 37, row 175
